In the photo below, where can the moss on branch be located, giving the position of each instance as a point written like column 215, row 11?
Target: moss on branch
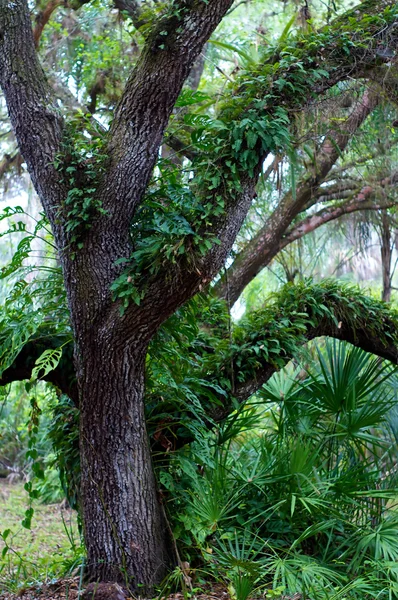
column 269, row 338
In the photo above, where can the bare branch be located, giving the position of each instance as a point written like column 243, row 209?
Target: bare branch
column 43, row 17
column 311, row 223
column 46, row 11
column 9, row 161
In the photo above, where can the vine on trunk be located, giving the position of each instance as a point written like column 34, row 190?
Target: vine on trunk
column 81, row 161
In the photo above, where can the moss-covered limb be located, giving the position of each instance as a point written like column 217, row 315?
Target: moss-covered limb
column 63, row 376
column 270, row 337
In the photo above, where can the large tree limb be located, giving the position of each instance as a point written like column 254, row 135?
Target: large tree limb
column 179, row 283
column 63, row 377
column 148, row 100
column 265, row 245
column 265, row 342
column 338, row 69
column 271, row 337
column 34, row 115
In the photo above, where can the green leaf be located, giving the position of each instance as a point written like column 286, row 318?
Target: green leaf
column 47, row 361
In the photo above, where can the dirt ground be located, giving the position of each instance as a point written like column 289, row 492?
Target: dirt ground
column 68, row 589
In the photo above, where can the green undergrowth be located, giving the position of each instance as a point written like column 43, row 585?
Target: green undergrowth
column 294, row 495
column 50, row 549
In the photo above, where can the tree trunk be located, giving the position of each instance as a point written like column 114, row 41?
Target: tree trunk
column 124, row 525
column 386, row 254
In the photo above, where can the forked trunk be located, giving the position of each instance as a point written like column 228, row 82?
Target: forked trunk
column 124, row 527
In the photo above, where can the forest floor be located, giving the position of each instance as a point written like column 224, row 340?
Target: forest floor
column 35, row 564
column 68, row 589
column 50, row 548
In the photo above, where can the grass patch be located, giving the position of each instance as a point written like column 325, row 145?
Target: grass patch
column 50, row 549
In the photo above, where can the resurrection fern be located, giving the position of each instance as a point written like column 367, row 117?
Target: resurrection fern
column 291, row 317
column 193, row 377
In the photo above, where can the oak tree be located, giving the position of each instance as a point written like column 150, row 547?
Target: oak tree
column 136, row 244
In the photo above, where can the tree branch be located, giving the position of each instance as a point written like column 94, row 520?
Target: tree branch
column 43, row 17
column 63, row 377
column 148, row 100
column 34, row 115
column 269, row 338
column 45, row 12
column 133, row 9
column 9, row 161
column 265, row 245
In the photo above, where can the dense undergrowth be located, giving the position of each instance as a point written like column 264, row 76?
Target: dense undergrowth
column 294, row 492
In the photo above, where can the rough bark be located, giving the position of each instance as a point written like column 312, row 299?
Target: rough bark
column 148, row 101
column 386, row 255
column 126, row 540
column 34, row 115
column 124, row 529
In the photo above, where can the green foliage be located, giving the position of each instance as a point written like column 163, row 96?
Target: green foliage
column 280, row 509
column 193, row 370
column 46, row 552
column 273, row 334
column 179, row 395
column 167, row 229
column 253, row 118
column 34, row 307
column 301, row 501
column 63, row 433
column 81, row 162
column 47, row 361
